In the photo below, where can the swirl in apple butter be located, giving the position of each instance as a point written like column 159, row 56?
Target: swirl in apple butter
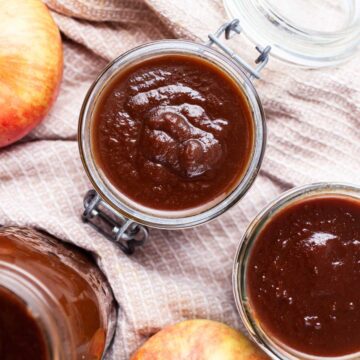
column 303, row 276
column 173, row 132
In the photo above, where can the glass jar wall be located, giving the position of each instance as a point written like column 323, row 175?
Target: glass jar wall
column 60, row 306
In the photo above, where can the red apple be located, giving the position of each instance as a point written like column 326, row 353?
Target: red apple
column 31, row 64
column 199, row 340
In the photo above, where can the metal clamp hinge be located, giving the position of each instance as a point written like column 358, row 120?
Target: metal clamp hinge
column 229, row 29
column 114, row 226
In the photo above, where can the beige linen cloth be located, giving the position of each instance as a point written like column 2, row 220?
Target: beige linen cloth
column 313, row 119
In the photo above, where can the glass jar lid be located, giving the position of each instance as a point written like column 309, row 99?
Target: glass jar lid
column 312, row 33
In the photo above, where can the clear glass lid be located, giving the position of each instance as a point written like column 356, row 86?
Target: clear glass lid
column 310, row 33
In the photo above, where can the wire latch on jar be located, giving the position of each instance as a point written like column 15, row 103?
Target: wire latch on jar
column 230, row 29
column 126, row 233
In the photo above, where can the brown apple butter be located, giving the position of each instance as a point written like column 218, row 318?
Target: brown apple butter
column 53, row 281
column 20, row 334
column 173, row 132
column 303, row 276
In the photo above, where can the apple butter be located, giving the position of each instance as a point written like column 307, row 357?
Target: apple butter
column 20, row 334
column 303, row 276
column 53, row 281
column 173, row 132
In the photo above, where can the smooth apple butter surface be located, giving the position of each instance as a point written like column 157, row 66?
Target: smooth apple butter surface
column 303, row 276
column 20, row 334
column 173, row 132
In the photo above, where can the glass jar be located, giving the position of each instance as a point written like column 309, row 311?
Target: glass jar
column 311, row 33
column 126, row 216
column 267, row 23
column 60, row 305
column 273, row 347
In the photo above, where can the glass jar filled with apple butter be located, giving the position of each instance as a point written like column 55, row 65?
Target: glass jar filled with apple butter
column 171, row 135
column 297, row 271
column 55, row 303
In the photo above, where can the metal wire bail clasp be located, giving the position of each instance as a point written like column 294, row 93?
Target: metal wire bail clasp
column 229, row 29
column 114, row 226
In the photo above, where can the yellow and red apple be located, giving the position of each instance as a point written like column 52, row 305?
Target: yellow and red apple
column 31, row 63
column 199, row 340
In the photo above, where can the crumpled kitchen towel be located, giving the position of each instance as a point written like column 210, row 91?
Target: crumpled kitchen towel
column 313, row 135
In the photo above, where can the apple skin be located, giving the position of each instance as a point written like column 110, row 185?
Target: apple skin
column 199, row 340
column 31, row 63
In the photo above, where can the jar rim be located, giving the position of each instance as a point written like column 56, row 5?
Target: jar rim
column 270, row 345
column 150, row 50
column 266, row 24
